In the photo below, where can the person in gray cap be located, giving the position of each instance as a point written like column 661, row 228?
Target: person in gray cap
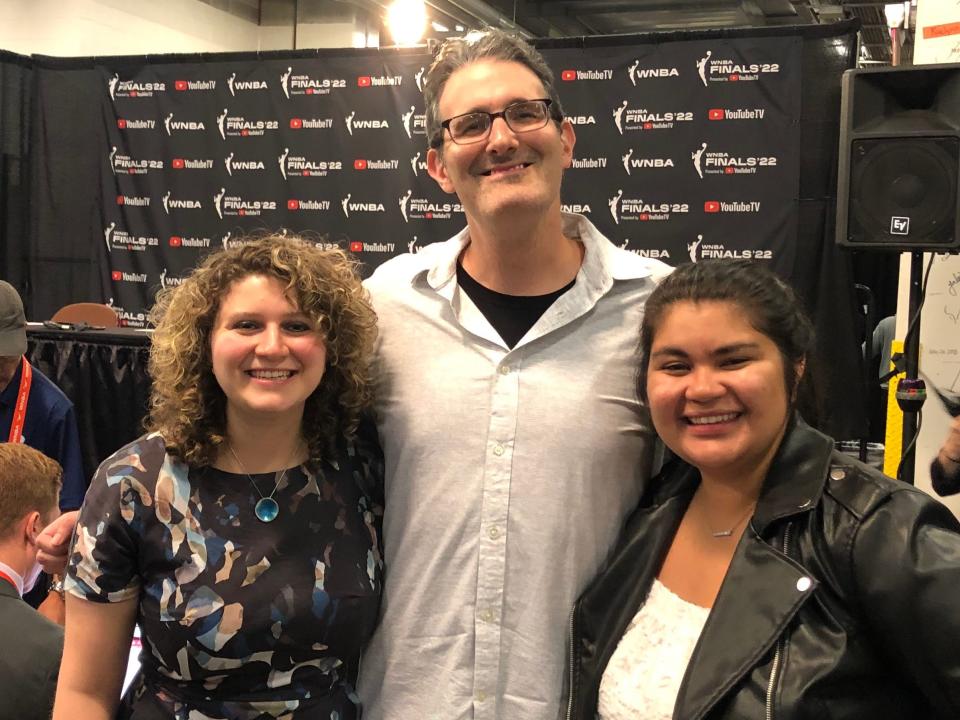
column 34, row 412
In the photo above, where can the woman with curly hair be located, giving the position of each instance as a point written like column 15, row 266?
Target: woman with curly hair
column 241, row 533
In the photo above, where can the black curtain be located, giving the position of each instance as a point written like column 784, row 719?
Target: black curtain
column 15, row 84
column 107, row 382
column 823, row 273
column 66, row 154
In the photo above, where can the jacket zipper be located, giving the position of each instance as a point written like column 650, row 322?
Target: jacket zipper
column 570, row 653
column 781, row 646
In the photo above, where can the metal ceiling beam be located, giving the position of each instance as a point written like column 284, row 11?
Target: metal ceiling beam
column 775, row 8
column 670, row 20
column 454, row 13
column 598, row 7
column 521, row 17
column 564, row 23
column 483, row 13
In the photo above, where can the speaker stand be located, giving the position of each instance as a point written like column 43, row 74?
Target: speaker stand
column 910, row 390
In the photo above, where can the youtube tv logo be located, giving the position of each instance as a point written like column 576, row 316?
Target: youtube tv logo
column 121, row 123
column 296, row 124
column 716, row 114
column 176, row 241
column 177, row 164
column 180, row 85
column 356, row 246
column 568, row 75
column 728, row 170
column 363, row 81
column 120, row 200
column 116, row 276
column 293, row 204
column 711, row 206
column 359, row 164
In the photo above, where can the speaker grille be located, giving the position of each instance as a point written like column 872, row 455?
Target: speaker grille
column 903, row 191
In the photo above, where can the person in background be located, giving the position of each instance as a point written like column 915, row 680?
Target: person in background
column 242, row 532
column 945, row 468
column 763, row 574
column 31, row 646
column 35, row 412
column 513, row 439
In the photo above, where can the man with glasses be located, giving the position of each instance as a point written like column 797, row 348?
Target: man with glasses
column 513, row 439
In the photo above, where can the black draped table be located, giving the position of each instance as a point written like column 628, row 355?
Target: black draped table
column 104, row 373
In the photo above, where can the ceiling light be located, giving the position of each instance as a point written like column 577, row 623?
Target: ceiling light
column 407, row 20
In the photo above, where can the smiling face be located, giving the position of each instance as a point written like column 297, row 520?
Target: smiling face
column 716, row 389
column 267, row 355
column 507, row 170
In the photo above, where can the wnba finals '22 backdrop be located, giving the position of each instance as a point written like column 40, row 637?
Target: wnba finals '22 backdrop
column 685, row 150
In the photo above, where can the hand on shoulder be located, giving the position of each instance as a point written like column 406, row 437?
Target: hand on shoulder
column 54, row 542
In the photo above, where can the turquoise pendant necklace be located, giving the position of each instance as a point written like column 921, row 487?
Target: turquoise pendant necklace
column 266, row 508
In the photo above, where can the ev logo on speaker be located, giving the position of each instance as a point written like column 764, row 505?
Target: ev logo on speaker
column 899, row 225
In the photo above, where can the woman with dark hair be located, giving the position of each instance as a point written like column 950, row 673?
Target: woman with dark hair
column 242, row 532
column 763, row 575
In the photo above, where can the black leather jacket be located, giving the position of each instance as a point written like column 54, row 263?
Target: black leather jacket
column 842, row 599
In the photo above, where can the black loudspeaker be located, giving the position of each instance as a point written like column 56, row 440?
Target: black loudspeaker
column 897, row 185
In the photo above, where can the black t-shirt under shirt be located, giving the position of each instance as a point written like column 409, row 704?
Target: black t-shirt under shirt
column 511, row 315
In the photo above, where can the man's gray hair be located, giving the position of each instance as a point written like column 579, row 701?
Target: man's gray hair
column 489, row 44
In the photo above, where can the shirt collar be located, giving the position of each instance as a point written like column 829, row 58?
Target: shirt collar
column 9, row 394
column 13, row 575
column 602, row 261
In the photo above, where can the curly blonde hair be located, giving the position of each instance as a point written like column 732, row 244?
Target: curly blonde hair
column 187, row 405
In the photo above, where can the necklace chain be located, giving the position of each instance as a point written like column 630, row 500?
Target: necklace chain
column 266, row 508
column 718, row 534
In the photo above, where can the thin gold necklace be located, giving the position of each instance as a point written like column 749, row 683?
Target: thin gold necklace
column 266, row 508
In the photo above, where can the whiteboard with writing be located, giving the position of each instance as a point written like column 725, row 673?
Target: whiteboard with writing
column 939, row 355
column 937, row 35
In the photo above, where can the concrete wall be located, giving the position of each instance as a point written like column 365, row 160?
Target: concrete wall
column 72, row 28
column 115, row 27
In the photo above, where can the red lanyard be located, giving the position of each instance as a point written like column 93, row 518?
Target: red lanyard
column 20, row 409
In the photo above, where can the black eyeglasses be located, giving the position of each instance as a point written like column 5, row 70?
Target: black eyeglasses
column 474, row 127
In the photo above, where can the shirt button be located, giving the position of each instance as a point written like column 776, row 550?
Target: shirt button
column 486, row 615
column 498, row 450
column 804, row 583
column 504, row 369
column 494, row 532
column 481, row 696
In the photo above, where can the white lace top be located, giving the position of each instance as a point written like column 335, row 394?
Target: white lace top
column 644, row 673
